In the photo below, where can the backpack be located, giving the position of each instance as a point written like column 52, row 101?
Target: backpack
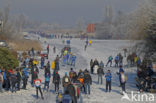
column 59, row 98
column 126, row 78
column 47, row 79
column 71, row 74
column 66, row 79
column 67, row 99
column 81, row 80
column 53, row 65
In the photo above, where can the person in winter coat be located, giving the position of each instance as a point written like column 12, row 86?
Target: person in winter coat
column 32, row 50
column 36, row 69
column 85, row 48
column 54, row 49
column 91, row 66
column 125, row 52
column 37, row 83
column 123, row 81
column 42, row 62
column 108, row 77
column 7, row 75
column 100, row 73
column 120, row 70
column 95, row 63
column 80, row 73
column 25, row 77
column 57, row 67
column 34, row 75
column 71, row 73
column 32, row 71
column 87, row 82
column 46, row 70
column 65, row 81
column 109, row 61
column 56, row 81
column 48, row 48
column 129, row 64
column 72, row 92
column 47, row 81
column 73, row 60
column 4, row 79
column 101, row 65
column 19, row 77
column 13, row 81
column 120, row 59
column 117, row 61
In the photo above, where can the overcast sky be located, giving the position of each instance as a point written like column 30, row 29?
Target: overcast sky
column 66, row 11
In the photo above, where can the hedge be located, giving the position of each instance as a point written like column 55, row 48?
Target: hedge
column 7, row 59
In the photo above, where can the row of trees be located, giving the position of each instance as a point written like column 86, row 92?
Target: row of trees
column 143, row 27
column 131, row 25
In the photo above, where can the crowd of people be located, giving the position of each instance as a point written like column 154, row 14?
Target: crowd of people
column 146, row 80
column 68, row 57
column 74, row 83
column 98, row 69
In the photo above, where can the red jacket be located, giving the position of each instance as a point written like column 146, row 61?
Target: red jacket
column 37, row 82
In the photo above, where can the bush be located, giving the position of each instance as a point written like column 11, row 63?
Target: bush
column 7, row 59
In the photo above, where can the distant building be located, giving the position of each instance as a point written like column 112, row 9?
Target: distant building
column 91, row 28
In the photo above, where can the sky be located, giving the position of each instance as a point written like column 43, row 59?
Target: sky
column 66, row 12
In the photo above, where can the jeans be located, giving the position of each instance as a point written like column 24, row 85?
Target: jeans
column 100, row 77
column 87, row 88
column 46, row 85
column 42, row 65
column 110, row 61
column 56, row 87
column 25, row 80
column 108, row 85
column 73, row 62
column 129, row 63
column 65, row 61
column 116, row 63
column 39, row 89
column 18, row 84
column 57, row 66
column 123, row 87
column 13, row 87
column 64, row 89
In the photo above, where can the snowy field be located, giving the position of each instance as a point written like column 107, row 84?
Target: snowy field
column 101, row 50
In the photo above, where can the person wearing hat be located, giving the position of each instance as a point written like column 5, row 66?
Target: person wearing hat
column 87, row 81
column 56, row 81
column 123, row 81
column 120, row 70
column 72, row 92
column 108, row 77
column 37, row 83
column 65, row 81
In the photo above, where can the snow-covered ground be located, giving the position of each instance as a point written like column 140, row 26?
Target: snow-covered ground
column 100, row 49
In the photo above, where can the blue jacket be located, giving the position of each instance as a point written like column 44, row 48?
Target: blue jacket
column 108, row 76
column 121, row 70
column 117, row 58
column 4, row 76
column 67, row 99
column 47, row 78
